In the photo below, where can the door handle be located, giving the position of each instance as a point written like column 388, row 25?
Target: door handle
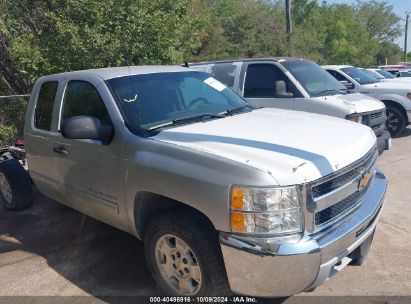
column 60, row 150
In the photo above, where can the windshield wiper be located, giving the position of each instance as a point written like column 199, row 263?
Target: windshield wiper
column 197, row 116
column 325, row 91
column 184, row 119
column 236, row 110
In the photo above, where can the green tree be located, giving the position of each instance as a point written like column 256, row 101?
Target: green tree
column 379, row 19
column 246, row 28
column 45, row 37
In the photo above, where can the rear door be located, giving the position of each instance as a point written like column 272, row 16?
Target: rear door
column 39, row 134
column 266, row 85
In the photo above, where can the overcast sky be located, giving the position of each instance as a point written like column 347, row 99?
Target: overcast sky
column 400, row 7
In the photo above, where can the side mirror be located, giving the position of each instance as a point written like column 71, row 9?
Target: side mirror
column 347, row 84
column 87, row 127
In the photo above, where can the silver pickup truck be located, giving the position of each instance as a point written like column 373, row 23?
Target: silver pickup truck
column 226, row 197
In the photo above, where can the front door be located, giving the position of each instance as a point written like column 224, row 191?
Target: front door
column 90, row 171
column 266, row 85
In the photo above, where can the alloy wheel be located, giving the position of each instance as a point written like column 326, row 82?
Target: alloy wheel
column 178, row 265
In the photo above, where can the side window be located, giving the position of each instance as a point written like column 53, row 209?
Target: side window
column 82, row 98
column 267, row 80
column 337, row 75
column 224, row 72
column 44, row 106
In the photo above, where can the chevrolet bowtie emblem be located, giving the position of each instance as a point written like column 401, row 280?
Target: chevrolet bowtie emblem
column 365, row 178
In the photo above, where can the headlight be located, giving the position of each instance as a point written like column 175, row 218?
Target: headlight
column 409, row 95
column 354, row 118
column 265, row 210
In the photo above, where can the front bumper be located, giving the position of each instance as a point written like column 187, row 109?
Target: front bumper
column 269, row 268
column 409, row 117
column 383, row 142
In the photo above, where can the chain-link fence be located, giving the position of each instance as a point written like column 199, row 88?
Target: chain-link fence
column 12, row 111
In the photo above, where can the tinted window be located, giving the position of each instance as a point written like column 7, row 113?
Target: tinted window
column 385, row 74
column 44, row 108
column 337, row 75
column 405, row 74
column 225, row 72
column 315, row 80
column 82, row 98
column 267, row 80
column 372, row 73
column 359, row 75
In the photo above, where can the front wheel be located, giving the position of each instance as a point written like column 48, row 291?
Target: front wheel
column 183, row 254
column 396, row 121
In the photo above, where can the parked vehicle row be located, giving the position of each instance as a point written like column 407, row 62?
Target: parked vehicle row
column 299, row 84
column 395, row 95
column 227, row 196
column 399, row 70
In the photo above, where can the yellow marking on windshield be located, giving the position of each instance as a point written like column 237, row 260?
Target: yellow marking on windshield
column 131, row 100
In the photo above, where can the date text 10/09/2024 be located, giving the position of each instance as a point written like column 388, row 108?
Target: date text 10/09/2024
column 235, row 299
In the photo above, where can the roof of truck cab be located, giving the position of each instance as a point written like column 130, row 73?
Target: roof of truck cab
column 277, row 59
column 115, row 72
column 336, row 66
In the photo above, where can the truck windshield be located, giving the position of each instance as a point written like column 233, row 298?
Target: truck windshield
column 150, row 101
column 373, row 74
column 315, row 80
column 359, row 76
column 385, row 74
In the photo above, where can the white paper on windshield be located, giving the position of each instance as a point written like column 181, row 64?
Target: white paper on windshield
column 215, row 84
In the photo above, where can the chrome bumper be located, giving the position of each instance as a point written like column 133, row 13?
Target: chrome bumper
column 384, row 142
column 273, row 268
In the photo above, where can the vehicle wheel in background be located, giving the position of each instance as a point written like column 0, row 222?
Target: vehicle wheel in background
column 16, row 190
column 396, row 121
column 184, row 256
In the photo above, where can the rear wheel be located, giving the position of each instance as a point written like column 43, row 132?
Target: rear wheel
column 184, row 256
column 396, row 121
column 15, row 185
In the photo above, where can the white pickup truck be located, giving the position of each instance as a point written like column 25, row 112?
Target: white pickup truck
column 226, row 197
column 298, row 84
column 395, row 96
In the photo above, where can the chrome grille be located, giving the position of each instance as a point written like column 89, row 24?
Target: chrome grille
column 334, row 196
column 376, row 121
column 376, row 115
column 342, row 179
column 335, row 210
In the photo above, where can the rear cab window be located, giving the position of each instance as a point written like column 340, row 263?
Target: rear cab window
column 43, row 113
column 225, row 72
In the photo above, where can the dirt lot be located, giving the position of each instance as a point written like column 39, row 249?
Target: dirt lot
column 51, row 250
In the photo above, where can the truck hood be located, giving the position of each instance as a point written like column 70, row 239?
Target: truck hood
column 397, row 80
column 293, row 147
column 400, row 88
column 359, row 103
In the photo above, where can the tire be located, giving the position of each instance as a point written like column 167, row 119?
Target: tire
column 206, row 256
column 16, row 191
column 396, row 121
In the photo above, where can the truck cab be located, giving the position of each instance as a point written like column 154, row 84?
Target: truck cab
column 298, row 84
column 395, row 95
